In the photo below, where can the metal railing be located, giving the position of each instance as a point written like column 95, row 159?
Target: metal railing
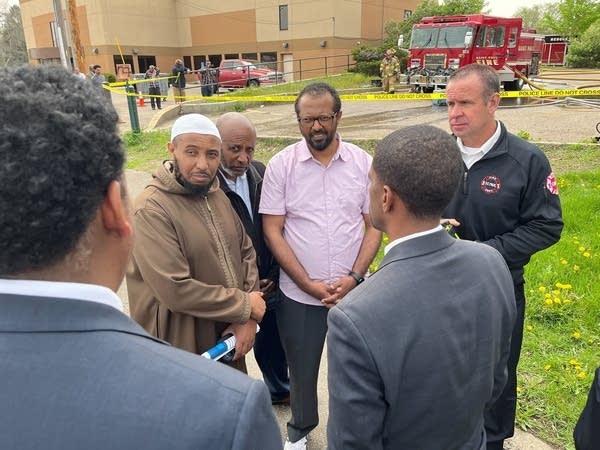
column 316, row 66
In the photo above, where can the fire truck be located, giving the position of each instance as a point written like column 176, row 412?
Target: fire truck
column 440, row 45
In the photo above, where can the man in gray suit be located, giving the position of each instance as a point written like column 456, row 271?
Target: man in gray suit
column 76, row 372
column 419, row 349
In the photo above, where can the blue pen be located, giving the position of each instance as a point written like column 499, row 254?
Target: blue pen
column 221, row 349
column 224, row 347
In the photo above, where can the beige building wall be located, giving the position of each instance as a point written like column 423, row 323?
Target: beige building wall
column 169, row 29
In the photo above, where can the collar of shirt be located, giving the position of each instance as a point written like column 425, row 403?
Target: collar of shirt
column 241, row 187
column 409, row 237
column 59, row 289
column 471, row 155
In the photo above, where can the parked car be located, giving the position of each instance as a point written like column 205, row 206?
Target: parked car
column 239, row 73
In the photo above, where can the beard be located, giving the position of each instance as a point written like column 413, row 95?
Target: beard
column 320, row 145
column 194, row 189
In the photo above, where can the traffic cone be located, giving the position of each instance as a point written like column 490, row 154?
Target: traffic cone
column 141, row 100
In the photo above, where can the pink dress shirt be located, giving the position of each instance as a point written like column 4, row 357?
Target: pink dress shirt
column 323, row 209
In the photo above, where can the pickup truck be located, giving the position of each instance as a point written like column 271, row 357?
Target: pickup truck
column 239, row 73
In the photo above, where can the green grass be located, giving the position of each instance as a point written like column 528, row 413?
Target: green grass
column 340, row 82
column 562, row 336
column 561, row 344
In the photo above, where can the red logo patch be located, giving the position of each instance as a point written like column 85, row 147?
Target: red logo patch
column 490, row 184
column 551, row 184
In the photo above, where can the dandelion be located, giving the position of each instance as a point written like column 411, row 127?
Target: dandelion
column 586, row 254
column 581, row 249
column 576, row 268
column 519, row 390
column 563, row 261
column 563, row 286
column 529, row 328
column 574, row 362
column 576, row 335
column 581, row 375
column 548, row 301
column 542, row 289
column 557, row 300
column 547, row 367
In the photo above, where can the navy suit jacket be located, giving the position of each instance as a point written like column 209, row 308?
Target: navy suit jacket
column 82, row 375
column 417, row 351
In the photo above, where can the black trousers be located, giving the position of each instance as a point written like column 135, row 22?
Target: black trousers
column 302, row 329
column 269, row 353
column 500, row 417
column 155, row 94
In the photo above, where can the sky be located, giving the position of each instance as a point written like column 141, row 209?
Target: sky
column 506, row 8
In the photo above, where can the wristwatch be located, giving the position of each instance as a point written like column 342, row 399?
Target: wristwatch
column 358, row 278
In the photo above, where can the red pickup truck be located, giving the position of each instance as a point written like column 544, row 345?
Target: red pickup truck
column 239, row 73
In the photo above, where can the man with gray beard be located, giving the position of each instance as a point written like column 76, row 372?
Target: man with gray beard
column 193, row 277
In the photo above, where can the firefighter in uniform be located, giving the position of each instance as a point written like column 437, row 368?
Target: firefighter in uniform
column 388, row 69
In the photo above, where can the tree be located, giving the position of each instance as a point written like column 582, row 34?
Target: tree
column 533, row 18
column 571, row 17
column 13, row 49
column 585, row 50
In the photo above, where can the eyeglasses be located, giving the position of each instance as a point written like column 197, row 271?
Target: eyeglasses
column 310, row 121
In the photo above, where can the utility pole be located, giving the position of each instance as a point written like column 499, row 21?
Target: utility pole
column 75, row 39
column 60, row 34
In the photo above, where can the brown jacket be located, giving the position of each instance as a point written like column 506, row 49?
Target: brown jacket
column 192, row 265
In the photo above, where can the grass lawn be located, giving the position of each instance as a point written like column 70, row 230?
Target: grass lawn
column 562, row 337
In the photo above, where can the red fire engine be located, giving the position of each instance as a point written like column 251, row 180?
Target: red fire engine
column 440, row 45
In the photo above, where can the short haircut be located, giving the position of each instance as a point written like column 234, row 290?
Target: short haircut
column 422, row 165
column 316, row 90
column 96, row 66
column 488, row 76
column 59, row 151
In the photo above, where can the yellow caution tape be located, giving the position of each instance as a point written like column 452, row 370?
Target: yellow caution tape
column 366, row 97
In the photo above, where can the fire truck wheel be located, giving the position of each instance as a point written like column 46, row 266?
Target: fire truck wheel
column 427, row 89
column 516, row 85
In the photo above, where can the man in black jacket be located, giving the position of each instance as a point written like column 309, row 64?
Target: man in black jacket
column 508, row 199
column 241, row 179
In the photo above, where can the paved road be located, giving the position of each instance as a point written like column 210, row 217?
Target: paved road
column 551, row 120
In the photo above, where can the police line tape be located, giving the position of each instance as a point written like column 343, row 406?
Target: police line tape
column 379, row 96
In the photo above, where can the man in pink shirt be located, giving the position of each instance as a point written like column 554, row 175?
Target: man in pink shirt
column 316, row 222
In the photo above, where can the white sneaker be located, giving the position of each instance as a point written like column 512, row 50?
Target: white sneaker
column 298, row 445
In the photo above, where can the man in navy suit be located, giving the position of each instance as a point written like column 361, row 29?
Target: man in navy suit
column 419, row 349
column 76, row 372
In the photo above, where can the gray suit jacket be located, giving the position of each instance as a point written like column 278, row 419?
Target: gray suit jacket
column 418, row 350
column 81, row 375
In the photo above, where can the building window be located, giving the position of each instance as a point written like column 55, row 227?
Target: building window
column 187, row 61
column 251, row 56
column 269, row 59
column 199, row 61
column 283, row 17
column 407, row 13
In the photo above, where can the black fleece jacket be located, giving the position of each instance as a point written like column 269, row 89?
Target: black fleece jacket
column 267, row 266
column 509, row 200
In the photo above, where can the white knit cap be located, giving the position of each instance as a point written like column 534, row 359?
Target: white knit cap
column 194, row 123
